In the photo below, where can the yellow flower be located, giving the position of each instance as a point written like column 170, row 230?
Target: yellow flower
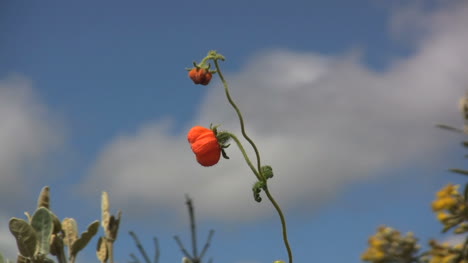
column 441, row 216
column 376, row 242
column 449, row 258
column 447, row 191
column 436, row 259
column 373, row 254
column 444, row 203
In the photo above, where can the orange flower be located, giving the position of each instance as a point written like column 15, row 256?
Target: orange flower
column 205, row 145
column 200, row 76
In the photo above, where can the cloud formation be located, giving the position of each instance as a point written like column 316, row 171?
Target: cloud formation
column 27, row 133
column 321, row 121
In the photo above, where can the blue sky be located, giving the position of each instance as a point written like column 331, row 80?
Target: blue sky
column 342, row 99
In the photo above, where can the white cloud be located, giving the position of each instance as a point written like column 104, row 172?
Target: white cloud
column 321, row 121
column 27, row 133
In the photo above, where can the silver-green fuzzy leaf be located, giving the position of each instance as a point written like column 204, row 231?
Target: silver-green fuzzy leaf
column 25, row 236
column 44, row 198
column 85, row 237
column 101, row 250
column 70, row 228
column 42, row 223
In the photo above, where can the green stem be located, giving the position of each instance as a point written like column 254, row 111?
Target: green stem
column 258, row 173
column 241, row 119
column 244, row 153
column 283, row 222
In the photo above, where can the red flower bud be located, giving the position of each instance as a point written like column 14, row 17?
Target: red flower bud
column 205, row 145
column 200, row 76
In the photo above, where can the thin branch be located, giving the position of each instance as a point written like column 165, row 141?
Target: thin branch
column 134, row 258
column 207, row 244
column 156, row 248
column 192, row 226
column 140, row 247
column 184, row 251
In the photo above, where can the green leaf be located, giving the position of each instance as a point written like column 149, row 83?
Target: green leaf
column 449, row 128
column 2, row 260
column 447, row 228
column 25, row 236
column 44, row 198
column 459, row 171
column 114, row 225
column 465, row 194
column 85, row 237
column 42, row 223
column 462, row 228
column 56, row 222
column 267, row 171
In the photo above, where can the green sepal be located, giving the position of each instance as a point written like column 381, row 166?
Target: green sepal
column 223, row 138
column 223, row 152
column 85, row 237
column 42, row 223
column 267, row 171
column 26, row 237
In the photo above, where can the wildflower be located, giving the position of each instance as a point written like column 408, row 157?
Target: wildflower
column 444, row 203
column 447, row 198
column 448, row 190
column 205, row 145
column 441, row 216
column 376, row 242
column 388, row 244
column 444, row 253
column 200, row 76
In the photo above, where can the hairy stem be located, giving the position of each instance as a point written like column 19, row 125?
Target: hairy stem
column 258, row 172
column 244, row 153
column 283, row 223
column 241, row 119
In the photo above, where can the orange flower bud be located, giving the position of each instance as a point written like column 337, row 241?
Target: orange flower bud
column 205, row 145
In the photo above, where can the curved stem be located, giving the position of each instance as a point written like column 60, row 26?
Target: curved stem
column 283, row 222
column 244, row 153
column 258, row 172
column 241, row 119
